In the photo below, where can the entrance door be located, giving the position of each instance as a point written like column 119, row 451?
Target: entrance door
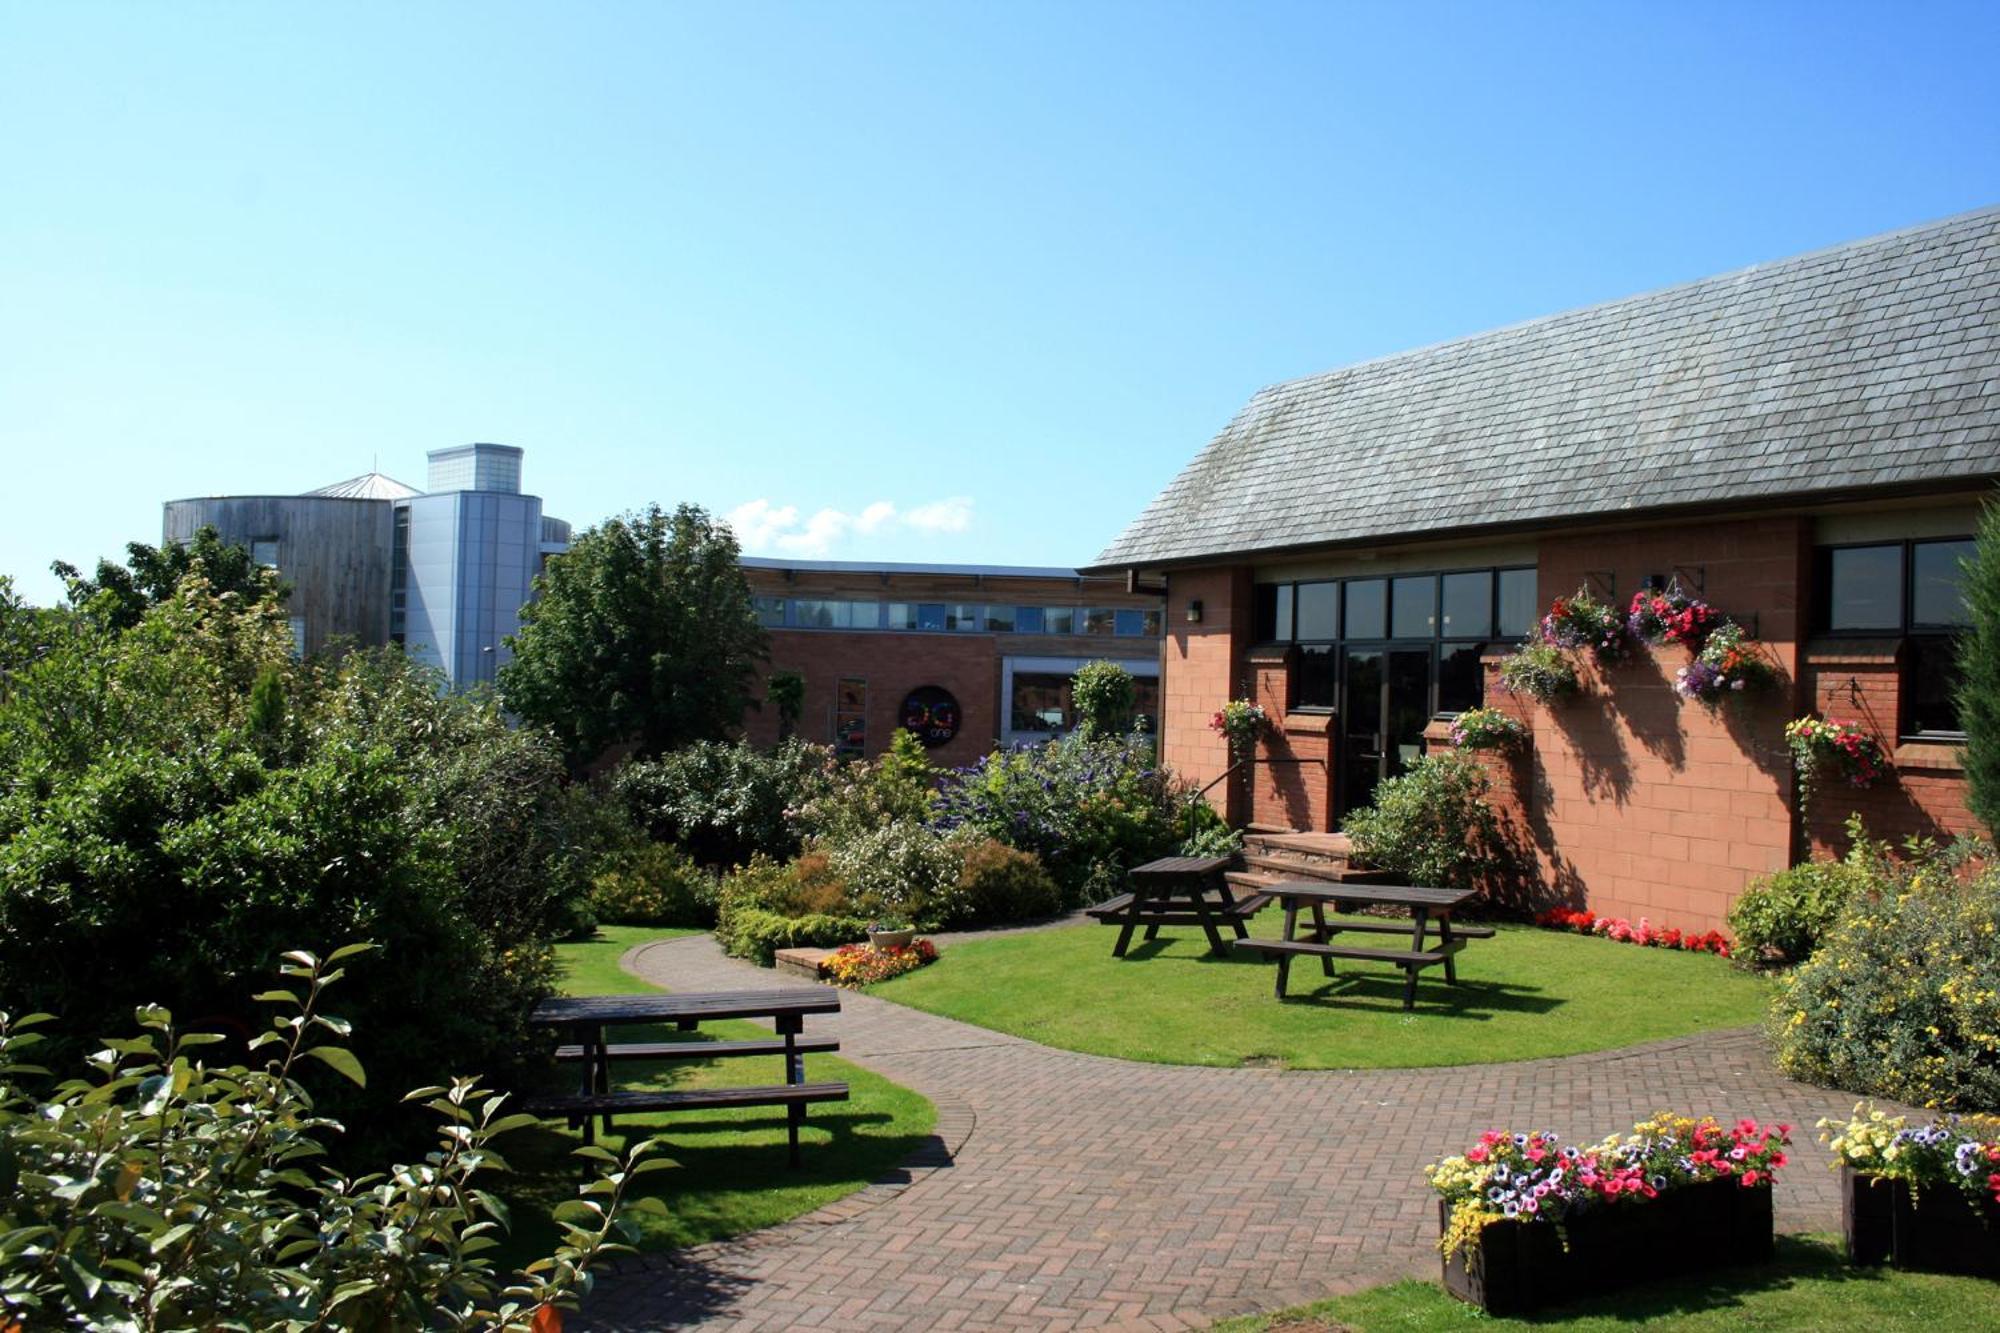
column 1385, row 704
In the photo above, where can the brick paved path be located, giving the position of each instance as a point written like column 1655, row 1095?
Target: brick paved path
column 1075, row 1191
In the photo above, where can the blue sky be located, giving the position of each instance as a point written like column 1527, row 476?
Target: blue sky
column 899, row 282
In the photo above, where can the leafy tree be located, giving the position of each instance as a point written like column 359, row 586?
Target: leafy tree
column 1979, row 673
column 642, row 634
column 1104, row 695
column 120, row 594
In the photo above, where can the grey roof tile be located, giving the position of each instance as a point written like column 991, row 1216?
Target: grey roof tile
column 1871, row 364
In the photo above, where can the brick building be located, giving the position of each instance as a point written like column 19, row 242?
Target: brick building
column 1805, row 444
column 968, row 656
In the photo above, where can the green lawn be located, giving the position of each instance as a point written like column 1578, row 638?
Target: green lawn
column 1808, row 1289
column 1524, row 994
column 731, row 1174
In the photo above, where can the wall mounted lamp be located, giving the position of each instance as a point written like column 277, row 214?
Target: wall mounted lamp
column 1194, row 611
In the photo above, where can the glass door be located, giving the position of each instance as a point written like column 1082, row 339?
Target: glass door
column 1385, row 705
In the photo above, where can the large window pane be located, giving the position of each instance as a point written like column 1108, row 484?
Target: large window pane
column 1317, row 615
column 1061, row 620
column 1933, row 683
column 1099, row 620
column 1864, row 588
column 863, row 615
column 1517, row 602
column 1131, row 622
column 1367, row 609
column 1000, row 619
column 813, row 613
column 931, row 615
column 964, row 617
column 1153, row 623
column 1937, row 594
column 1040, row 702
column 1264, row 611
column 1146, row 703
column 1028, row 620
column 1413, row 608
column 770, row 611
column 1468, row 605
column 902, row 615
column 1461, row 682
column 1313, row 682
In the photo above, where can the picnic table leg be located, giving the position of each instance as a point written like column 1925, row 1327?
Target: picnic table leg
column 1421, row 919
column 1215, row 944
column 1321, row 934
column 1228, row 897
column 1291, row 932
column 603, row 1062
column 1450, row 959
column 789, row 1027
column 1125, row 931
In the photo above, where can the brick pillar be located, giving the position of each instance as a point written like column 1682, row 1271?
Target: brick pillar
column 1204, row 669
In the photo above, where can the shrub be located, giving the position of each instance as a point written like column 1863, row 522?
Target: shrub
column 157, row 1191
column 1978, row 695
column 1090, row 810
column 998, row 884
column 1783, row 917
column 1432, row 824
column 1104, row 696
column 722, row 803
column 1902, row 998
column 765, row 907
column 652, row 884
column 157, row 847
column 903, row 869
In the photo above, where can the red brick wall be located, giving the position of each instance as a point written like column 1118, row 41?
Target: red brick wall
column 1859, row 681
column 1204, row 670
column 1632, row 801
column 893, row 665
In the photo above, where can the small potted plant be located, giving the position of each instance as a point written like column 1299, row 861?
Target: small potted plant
column 891, row 932
column 1541, row 671
column 1487, row 729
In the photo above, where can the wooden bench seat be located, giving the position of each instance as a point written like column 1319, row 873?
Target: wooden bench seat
column 1422, row 958
column 1109, row 906
column 1112, row 910
column 698, row 1099
column 1403, row 928
column 701, row 1050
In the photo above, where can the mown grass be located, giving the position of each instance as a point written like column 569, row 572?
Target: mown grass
column 1525, row 994
column 730, row 1174
column 1807, row 1288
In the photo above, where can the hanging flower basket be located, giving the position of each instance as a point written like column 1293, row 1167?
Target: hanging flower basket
column 1242, row 722
column 1669, row 615
column 1541, row 671
column 1824, row 749
column 1581, row 621
column 1487, row 729
column 1526, row 1222
column 1729, row 665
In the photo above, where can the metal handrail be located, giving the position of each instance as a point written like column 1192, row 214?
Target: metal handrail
column 1229, row 772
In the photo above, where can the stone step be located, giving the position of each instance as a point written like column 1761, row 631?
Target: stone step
column 802, row 962
column 1294, row 867
column 1332, row 846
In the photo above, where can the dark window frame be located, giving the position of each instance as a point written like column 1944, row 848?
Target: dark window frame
column 1439, row 640
column 1917, row 637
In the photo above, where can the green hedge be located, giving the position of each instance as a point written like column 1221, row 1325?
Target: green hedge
column 758, row 934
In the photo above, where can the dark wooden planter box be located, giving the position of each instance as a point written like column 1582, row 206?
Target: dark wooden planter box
column 1519, row 1267
column 1933, row 1229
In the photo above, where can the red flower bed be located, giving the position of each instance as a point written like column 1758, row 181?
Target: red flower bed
column 1643, row 932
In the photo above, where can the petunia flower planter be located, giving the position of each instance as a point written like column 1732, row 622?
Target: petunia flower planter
column 1520, row 1267
column 1931, row 1228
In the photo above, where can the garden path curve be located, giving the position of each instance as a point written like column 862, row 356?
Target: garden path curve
column 1078, row 1191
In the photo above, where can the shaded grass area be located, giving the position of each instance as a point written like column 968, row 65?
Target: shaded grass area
column 1523, row 995
column 1808, row 1287
column 731, row 1174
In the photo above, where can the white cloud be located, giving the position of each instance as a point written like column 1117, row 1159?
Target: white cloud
column 763, row 527
column 953, row 515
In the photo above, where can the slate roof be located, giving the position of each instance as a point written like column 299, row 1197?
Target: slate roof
column 367, row 486
column 1875, row 364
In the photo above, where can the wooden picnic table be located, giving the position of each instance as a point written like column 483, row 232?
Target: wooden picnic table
column 1176, row 891
column 1430, row 914
column 586, row 1019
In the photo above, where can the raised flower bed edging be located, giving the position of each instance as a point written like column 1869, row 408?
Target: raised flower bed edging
column 1924, row 1228
column 1519, row 1267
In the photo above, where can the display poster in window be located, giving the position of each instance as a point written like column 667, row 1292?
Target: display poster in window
column 931, row 714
